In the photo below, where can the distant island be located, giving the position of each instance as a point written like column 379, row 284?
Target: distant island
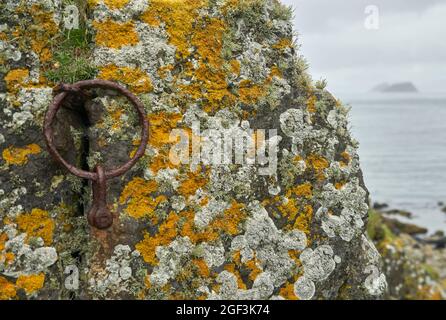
column 395, row 87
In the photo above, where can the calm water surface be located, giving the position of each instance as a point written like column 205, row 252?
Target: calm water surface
column 403, row 151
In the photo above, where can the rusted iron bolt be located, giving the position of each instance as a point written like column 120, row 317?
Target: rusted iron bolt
column 99, row 215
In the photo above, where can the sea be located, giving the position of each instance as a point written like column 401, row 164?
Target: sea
column 403, row 152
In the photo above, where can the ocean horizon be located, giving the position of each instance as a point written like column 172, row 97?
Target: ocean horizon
column 402, row 149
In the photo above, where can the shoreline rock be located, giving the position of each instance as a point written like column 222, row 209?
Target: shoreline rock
column 401, row 213
column 415, row 268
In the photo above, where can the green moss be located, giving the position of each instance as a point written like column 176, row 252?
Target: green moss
column 282, row 12
column 377, row 230
column 252, row 13
column 321, row 84
column 431, row 272
column 72, row 57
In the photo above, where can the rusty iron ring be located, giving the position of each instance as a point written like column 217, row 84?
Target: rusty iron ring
column 62, row 91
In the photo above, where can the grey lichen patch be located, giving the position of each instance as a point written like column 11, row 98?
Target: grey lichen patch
column 319, row 263
column 269, row 245
column 118, row 275
column 9, row 206
column 207, row 213
column 31, row 258
column 171, row 259
column 304, row 288
column 375, row 283
column 262, row 288
column 350, row 222
column 32, row 104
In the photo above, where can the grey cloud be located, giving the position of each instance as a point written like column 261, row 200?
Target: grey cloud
column 408, row 46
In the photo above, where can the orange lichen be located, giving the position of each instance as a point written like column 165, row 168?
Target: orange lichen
column 114, row 34
column 296, row 207
column 255, row 270
column 275, row 72
column 161, row 126
column 160, row 162
column 304, row 190
column 295, row 255
column 15, row 79
column 92, row 3
column 167, row 231
column 147, row 282
column 7, row 289
column 210, row 86
column 227, row 223
column 237, row 257
column 3, row 238
column 196, row 236
column 31, row 283
column 318, row 164
column 38, row 33
column 339, row 185
column 250, row 93
column 116, row 116
column 283, row 44
column 208, row 41
column 38, row 223
column 139, row 198
column 137, row 80
column 346, row 158
column 40, row 37
column 232, row 269
column 116, row 4
column 235, row 67
column 287, row 292
column 204, row 201
column 19, row 156
column 201, row 38
column 9, row 257
column 46, row 55
column 231, row 219
column 304, row 219
column 311, row 104
column 203, row 269
column 289, row 209
column 164, row 70
column 179, row 17
column 193, row 182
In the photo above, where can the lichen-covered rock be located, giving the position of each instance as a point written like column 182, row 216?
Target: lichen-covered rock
column 250, row 187
column 415, row 270
column 41, row 223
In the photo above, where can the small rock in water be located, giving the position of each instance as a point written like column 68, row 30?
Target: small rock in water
column 399, row 227
column 438, row 239
column 380, row 206
column 402, row 213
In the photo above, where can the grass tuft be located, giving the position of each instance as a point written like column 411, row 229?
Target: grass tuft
column 72, row 58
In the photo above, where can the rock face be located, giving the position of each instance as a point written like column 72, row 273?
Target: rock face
column 415, row 269
column 282, row 217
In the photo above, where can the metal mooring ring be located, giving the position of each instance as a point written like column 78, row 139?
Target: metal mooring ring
column 99, row 215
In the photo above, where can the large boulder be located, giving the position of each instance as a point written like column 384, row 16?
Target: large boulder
column 250, row 187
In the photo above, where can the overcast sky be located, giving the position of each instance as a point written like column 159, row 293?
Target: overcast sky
column 410, row 44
